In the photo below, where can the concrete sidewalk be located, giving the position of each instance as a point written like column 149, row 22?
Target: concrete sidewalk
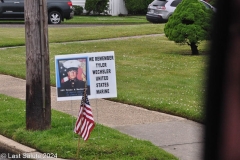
column 176, row 135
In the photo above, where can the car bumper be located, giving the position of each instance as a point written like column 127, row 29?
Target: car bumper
column 155, row 18
column 71, row 15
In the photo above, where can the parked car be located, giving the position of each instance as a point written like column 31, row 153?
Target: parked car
column 208, row 6
column 160, row 10
column 58, row 10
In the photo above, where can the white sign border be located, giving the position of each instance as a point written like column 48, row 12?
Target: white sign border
column 95, row 66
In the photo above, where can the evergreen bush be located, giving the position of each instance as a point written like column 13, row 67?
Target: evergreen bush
column 96, row 6
column 189, row 24
column 137, row 6
column 78, row 10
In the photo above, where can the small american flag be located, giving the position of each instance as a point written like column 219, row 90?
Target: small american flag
column 85, row 122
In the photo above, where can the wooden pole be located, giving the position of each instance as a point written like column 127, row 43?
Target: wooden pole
column 38, row 97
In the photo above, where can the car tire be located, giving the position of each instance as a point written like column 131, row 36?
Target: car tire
column 54, row 17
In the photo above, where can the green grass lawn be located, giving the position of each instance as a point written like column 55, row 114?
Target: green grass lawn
column 94, row 20
column 107, row 20
column 152, row 72
column 104, row 143
column 16, row 36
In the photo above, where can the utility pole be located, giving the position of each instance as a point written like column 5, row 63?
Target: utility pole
column 38, row 94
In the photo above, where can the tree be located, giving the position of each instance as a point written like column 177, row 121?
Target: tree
column 189, row 24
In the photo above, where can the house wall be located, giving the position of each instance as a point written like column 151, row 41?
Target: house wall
column 116, row 7
column 79, row 2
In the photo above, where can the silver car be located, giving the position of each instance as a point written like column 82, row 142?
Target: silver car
column 208, row 6
column 161, row 10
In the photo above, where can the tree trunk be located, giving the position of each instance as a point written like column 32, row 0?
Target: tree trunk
column 38, row 97
column 194, row 48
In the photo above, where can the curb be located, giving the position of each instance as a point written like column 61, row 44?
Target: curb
column 22, row 152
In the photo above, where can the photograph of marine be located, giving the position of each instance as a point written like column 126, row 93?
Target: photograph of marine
column 71, row 81
column 72, row 78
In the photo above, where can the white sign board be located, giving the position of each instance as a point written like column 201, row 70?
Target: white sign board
column 96, row 69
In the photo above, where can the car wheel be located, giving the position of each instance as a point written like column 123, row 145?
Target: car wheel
column 54, row 17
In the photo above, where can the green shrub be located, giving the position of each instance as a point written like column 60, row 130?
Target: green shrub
column 96, row 6
column 137, row 6
column 189, row 24
column 78, row 10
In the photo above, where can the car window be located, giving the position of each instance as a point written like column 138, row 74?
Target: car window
column 159, row 2
column 175, row 3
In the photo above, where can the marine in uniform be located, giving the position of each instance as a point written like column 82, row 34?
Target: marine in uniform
column 72, row 71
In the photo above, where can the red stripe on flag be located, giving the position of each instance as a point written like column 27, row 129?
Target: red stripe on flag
column 85, row 122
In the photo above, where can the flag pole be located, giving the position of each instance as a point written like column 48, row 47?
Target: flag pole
column 84, row 98
column 78, row 145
